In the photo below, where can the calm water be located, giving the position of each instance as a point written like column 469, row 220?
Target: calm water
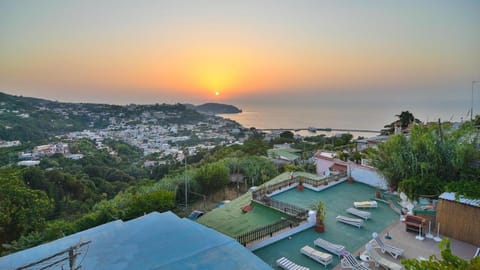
column 354, row 116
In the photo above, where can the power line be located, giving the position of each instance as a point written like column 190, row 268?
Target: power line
column 70, row 254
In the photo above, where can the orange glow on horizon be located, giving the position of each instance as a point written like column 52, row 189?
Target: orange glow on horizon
column 223, row 70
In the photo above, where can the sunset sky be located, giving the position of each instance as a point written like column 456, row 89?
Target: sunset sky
column 247, row 51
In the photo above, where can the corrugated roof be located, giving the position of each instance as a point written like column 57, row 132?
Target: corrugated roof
column 282, row 153
column 450, row 196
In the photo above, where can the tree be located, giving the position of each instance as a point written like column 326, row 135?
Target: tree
column 22, row 210
column 285, row 137
column 35, row 178
column 391, row 159
column 255, row 147
column 431, row 160
column 157, row 200
column 405, row 118
column 212, row 177
column 321, row 213
column 448, row 261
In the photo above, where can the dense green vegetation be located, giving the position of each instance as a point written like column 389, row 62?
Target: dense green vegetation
column 73, row 195
column 448, row 261
column 431, row 160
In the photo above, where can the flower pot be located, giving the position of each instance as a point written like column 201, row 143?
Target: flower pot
column 320, row 227
column 300, row 187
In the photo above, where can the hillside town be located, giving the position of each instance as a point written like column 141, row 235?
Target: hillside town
column 266, row 195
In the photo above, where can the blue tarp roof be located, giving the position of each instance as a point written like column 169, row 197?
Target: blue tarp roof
column 153, row 241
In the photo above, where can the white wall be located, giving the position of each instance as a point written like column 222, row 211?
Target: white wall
column 368, row 176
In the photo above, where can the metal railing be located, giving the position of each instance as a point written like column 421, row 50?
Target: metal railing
column 265, row 231
column 297, row 213
column 289, row 209
column 259, row 193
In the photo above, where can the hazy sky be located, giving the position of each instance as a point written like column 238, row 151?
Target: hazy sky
column 248, row 51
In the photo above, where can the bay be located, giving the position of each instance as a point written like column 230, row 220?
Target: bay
column 356, row 117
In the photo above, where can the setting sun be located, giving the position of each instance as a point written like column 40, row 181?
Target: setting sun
column 217, row 93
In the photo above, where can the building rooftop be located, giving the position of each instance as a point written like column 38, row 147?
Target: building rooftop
column 450, row 196
column 230, row 219
column 282, row 154
column 153, row 241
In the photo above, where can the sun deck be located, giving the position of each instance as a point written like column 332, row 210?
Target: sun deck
column 232, row 221
column 337, row 199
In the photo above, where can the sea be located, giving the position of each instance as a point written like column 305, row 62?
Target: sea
column 351, row 119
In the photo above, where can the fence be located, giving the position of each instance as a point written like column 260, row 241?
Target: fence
column 290, row 209
column 264, row 232
column 298, row 213
column 459, row 221
column 260, row 193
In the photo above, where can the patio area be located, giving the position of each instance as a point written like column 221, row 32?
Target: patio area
column 415, row 249
column 337, row 199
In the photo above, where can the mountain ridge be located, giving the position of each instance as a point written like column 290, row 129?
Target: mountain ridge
column 217, row 108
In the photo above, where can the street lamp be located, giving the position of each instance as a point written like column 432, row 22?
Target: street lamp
column 471, row 109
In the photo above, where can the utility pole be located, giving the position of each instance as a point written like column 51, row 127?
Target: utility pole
column 72, row 257
column 59, row 259
column 471, row 109
column 185, row 176
column 186, row 183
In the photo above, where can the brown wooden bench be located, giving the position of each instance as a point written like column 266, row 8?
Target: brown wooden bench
column 414, row 223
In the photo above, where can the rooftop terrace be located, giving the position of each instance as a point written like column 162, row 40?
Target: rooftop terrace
column 230, row 220
column 337, row 199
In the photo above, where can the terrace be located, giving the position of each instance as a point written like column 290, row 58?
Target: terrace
column 286, row 231
column 337, row 199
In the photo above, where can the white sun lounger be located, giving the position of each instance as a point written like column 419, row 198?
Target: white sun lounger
column 349, row 262
column 359, row 213
column 384, row 262
column 286, row 264
column 321, row 257
column 365, row 204
column 392, row 250
column 333, row 248
column 477, row 253
column 351, row 221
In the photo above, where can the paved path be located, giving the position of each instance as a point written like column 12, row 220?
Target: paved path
column 415, row 248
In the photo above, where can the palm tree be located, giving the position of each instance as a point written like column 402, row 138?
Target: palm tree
column 321, row 213
column 406, row 118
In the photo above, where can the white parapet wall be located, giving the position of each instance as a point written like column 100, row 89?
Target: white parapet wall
column 368, row 175
column 280, row 236
column 318, row 188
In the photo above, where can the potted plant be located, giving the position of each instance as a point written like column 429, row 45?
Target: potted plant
column 320, row 216
column 300, row 186
column 378, row 194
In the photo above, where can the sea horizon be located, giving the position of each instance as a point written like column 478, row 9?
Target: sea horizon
column 362, row 116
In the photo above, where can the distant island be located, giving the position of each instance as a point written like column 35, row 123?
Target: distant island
column 217, row 108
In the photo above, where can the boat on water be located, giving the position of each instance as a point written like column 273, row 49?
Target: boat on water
column 312, row 129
